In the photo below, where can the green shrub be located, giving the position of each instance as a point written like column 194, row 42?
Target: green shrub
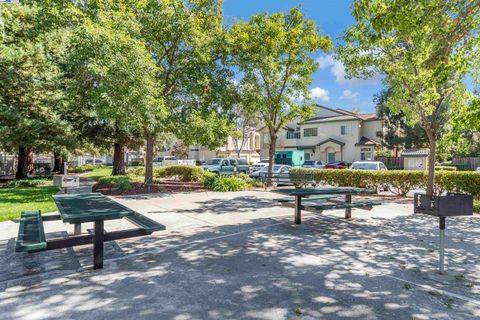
column 225, row 183
column 394, row 167
column 445, row 168
column 122, row 183
column 136, row 172
column 476, row 206
column 84, row 168
column 400, row 182
column 250, row 181
column 182, row 172
column 29, row 183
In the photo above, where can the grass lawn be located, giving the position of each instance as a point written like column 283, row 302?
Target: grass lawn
column 14, row 201
column 98, row 173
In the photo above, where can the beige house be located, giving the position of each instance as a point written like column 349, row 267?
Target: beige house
column 332, row 135
column 250, row 150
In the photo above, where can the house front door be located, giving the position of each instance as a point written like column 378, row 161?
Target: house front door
column 331, row 157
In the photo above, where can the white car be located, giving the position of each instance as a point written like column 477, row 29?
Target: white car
column 478, row 169
column 316, row 164
column 258, row 166
column 368, row 165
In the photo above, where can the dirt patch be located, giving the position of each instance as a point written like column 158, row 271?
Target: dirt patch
column 140, row 188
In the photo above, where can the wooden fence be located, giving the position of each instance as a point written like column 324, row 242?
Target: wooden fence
column 391, row 161
column 472, row 162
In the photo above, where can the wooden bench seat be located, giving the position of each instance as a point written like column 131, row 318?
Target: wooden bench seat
column 321, row 197
column 31, row 235
column 332, row 206
column 145, row 223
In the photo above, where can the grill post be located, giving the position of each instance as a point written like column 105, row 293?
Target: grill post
column 348, row 211
column 298, row 209
column 441, row 249
column 98, row 239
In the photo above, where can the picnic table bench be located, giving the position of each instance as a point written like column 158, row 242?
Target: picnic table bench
column 328, row 197
column 78, row 209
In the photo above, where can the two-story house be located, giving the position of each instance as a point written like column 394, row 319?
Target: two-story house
column 332, row 135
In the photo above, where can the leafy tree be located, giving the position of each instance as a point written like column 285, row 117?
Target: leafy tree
column 400, row 132
column 273, row 53
column 186, row 41
column 423, row 47
column 180, row 149
column 113, row 75
column 31, row 97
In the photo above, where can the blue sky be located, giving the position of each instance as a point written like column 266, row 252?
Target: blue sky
column 329, row 87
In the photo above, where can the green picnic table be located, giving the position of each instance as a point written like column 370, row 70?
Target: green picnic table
column 77, row 209
column 327, row 195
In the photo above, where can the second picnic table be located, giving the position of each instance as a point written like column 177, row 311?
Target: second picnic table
column 327, row 196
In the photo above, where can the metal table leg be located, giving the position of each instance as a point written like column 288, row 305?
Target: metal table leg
column 348, row 211
column 298, row 210
column 77, row 229
column 441, row 249
column 98, row 239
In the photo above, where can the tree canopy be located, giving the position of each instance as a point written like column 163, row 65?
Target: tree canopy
column 424, row 48
column 273, row 54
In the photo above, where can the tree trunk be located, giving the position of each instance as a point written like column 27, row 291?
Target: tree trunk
column 57, row 159
column 119, row 159
column 25, row 163
column 271, row 154
column 149, row 159
column 431, row 164
column 62, row 165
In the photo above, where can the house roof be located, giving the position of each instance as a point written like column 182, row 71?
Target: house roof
column 331, row 140
column 366, row 142
column 415, row 153
column 302, row 147
column 330, row 119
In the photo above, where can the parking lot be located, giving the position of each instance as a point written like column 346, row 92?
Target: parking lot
column 239, row 256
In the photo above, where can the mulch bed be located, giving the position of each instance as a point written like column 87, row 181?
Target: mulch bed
column 167, row 186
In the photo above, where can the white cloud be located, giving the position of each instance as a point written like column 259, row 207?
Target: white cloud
column 349, row 95
column 338, row 70
column 318, row 93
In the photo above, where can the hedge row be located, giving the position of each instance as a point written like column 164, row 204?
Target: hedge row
column 181, row 172
column 401, row 181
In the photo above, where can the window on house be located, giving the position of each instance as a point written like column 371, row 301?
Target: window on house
column 307, row 156
column 366, row 154
column 379, row 134
column 345, row 130
column 310, row 132
column 293, row 135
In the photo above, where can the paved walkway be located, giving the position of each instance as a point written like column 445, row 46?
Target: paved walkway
column 239, row 256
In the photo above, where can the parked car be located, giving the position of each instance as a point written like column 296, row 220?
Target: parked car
column 97, row 161
column 258, row 166
column 478, row 169
column 368, row 165
column 279, row 174
column 158, row 161
column 336, row 165
column 316, row 164
column 226, row 166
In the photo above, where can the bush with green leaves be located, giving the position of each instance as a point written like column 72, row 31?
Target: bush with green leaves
column 84, row 168
column 28, row 183
column 122, row 183
column 445, row 168
column 185, row 173
column 225, row 183
column 399, row 181
column 136, row 172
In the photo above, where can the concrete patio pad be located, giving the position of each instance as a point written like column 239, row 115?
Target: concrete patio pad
column 239, row 256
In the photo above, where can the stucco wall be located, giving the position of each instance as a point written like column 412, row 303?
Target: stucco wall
column 370, row 128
